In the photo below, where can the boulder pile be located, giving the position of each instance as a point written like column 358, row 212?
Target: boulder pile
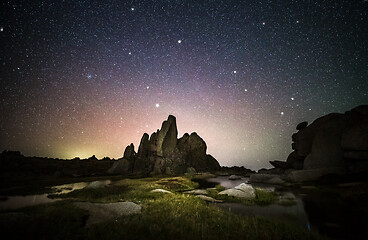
column 333, row 144
column 164, row 153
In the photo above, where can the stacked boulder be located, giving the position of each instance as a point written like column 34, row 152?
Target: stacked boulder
column 163, row 153
column 333, row 144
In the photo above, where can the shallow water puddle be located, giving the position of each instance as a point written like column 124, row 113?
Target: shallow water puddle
column 14, row 202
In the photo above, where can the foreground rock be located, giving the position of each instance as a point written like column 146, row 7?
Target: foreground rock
column 208, row 199
column 323, row 143
column 164, row 153
column 198, row 192
column 99, row 184
column 241, row 191
column 121, row 166
column 99, row 212
column 159, row 190
column 234, row 177
column 334, row 144
column 313, row 174
column 266, row 178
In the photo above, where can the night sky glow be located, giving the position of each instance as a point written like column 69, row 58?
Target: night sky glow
column 89, row 77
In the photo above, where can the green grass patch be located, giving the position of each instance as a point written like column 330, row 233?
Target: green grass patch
column 177, row 184
column 265, row 198
column 102, row 194
column 164, row 216
column 174, row 216
column 185, row 217
column 136, row 190
column 220, row 187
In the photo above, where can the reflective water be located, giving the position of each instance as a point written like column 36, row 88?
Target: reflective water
column 294, row 213
column 14, row 202
column 66, row 188
column 324, row 212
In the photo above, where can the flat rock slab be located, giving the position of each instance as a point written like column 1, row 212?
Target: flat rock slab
column 198, row 192
column 207, row 198
column 99, row 212
column 313, row 174
column 241, row 191
column 98, row 184
column 234, row 177
column 159, row 190
column 266, row 178
column 244, row 187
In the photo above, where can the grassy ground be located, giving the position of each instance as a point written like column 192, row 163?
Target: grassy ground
column 164, row 216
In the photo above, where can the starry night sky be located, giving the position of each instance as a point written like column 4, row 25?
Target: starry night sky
column 89, row 77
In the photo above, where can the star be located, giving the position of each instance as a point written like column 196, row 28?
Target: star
column 198, row 65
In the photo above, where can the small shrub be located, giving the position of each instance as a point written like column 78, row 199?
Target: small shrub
column 219, row 187
column 264, row 197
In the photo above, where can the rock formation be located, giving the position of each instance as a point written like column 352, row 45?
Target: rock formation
column 333, row 144
column 129, row 152
column 164, row 153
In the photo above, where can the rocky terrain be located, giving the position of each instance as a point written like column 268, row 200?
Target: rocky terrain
column 160, row 153
column 335, row 144
column 15, row 166
column 164, row 153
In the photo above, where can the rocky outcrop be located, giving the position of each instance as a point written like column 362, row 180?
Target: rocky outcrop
column 280, row 164
column 167, row 137
column 333, row 144
column 121, row 166
column 164, row 153
column 301, row 125
column 336, row 137
column 15, row 166
column 129, row 152
column 295, row 161
column 144, row 147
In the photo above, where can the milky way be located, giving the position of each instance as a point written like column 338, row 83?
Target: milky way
column 89, row 77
